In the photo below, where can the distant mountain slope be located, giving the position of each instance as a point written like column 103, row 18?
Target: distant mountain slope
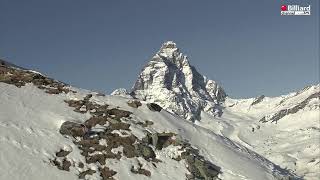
column 268, row 108
column 284, row 129
column 41, row 137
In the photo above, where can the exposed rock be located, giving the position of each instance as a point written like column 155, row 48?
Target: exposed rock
column 154, row 107
column 147, row 152
column 145, row 124
column 149, row 123
column 83, row 106
column 80, row 165
column 101, row 158
column 118, row 113
column 62, row 153
column 19, row 77
column 83, row 174
column 257, row 100
column 107, row 173
column 130, row 151
column 64, row 165
column 88, row 142
column 87, row 97
column 131, row 147
column 71, row 129
column 93, row 121
column 119, row 125
column 100, row 94
column 140, row 170
column 160, row 140
column 134, row 103
column 199, row 167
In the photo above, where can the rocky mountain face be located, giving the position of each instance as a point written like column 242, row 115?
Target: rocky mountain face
column 169, row 80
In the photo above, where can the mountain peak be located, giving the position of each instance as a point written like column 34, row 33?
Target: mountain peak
column 168, row 50
column 169, row 44
column 169, row 80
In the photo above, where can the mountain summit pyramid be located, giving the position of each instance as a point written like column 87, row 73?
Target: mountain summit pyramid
column 169, row 80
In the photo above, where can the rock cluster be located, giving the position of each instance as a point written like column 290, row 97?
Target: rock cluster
column 20, row 77
column 198, row 166
column 117, row 120
column 61, row 161
column 90, row 145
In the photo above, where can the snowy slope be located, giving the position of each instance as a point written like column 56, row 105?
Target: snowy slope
column 292, row 140
column 31, row 116
column 284, row 129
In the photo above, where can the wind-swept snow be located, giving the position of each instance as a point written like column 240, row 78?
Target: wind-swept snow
column 292, row 142
column 29, row 129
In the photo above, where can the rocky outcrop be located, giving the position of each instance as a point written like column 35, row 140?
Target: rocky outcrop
column 140, row 170
column 62, row 153
column 83, row 174
column 18, row 77
column 134, row 103
column 116, row 140
column 257, row 100
column 154, row 107
column 72, row 129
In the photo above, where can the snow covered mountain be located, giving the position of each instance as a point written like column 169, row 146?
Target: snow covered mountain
column 169, row 80
column 284, row 129
column 50, row 130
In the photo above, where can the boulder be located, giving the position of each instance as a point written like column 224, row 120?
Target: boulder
column 134, row 103
column 118, row 113
column 107, row 173
column 62, row 153
column 64, row 165
column 154, row 107
column 147, row 152
column 71, row 129
column 83, row 174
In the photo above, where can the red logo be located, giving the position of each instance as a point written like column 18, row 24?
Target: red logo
column 283, row 8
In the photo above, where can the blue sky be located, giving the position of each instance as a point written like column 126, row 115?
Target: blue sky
column 102, row 45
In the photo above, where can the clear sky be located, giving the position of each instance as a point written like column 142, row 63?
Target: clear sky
column 102, row 44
